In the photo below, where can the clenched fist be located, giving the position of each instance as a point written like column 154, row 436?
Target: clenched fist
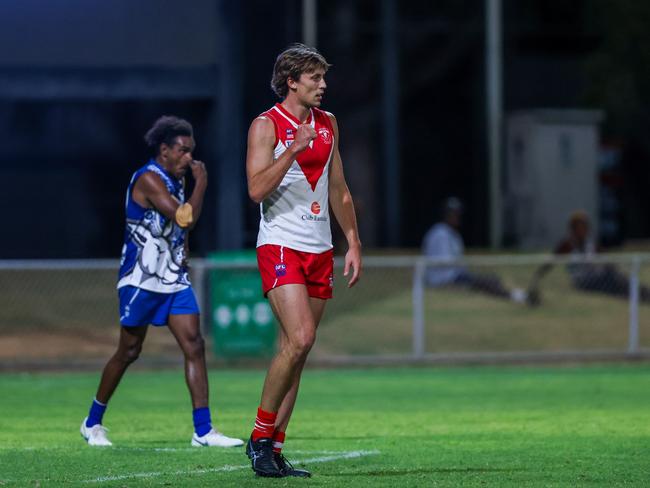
column 304, row 135
column 198, row 170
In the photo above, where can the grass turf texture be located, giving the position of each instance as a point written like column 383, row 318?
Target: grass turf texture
column 555, row 426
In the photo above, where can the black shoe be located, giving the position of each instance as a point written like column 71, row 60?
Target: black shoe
column 287, row 469
column 533, row 298
column 260, row 453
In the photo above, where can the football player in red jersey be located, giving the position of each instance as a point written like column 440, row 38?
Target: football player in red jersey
column 295, row 172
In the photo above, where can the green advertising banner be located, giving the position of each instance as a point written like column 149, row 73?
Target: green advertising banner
column 242, row 320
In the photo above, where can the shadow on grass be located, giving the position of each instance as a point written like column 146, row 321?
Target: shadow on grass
column 385, row 437
column 407, row 472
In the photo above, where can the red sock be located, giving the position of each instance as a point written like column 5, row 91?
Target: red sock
column 278, row 441
column 264, row 424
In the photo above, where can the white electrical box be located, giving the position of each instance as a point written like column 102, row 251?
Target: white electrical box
column 551, row 171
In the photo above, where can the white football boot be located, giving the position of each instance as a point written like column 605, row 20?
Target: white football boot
column 215, row 438
column 95, row 435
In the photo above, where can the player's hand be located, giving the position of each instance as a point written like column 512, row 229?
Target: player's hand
column 304, row 135
column 353, row 260
column 198, row 170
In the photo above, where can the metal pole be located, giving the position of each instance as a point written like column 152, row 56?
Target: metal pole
column 230, row 141
column 418, row 309
column 199, row 284
column 309, row 23
column 493, row 88
column 633, row 335
column 390, row 120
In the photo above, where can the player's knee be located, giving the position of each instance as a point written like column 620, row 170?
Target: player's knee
column 131, row 353
column 195, row 347
column 301, row 344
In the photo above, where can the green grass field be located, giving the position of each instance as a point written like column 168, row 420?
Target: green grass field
column 506, row 426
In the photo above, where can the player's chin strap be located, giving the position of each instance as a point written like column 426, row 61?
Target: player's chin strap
column 184, row 216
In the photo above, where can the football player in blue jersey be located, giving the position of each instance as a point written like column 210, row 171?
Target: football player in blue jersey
column 153, row 285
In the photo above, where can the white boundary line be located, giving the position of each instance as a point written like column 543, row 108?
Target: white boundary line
column 153, row 449
column 153, row 474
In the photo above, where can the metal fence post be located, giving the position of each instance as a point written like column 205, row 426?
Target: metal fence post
column 200, row 289
column 633, row 334
column 418, row 309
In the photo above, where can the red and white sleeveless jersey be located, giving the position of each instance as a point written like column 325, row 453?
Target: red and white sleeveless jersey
column 296, row 214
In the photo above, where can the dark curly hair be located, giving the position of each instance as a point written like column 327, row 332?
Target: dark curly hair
column 291, row 63
column 165, row 130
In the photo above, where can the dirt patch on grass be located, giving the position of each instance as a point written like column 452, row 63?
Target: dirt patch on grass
column 48, row 345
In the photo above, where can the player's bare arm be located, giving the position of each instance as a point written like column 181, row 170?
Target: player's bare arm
column 563, row 248
column 343, row 208
column 150, row 192
column 265, row 173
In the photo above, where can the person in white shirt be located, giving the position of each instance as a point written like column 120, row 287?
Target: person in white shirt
column 443, row 242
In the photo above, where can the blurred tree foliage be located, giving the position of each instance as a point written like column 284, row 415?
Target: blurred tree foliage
column 618, row 80
column 619, row 71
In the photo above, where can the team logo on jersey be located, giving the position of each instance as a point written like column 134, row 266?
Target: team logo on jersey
column 315, row 208
column 160, row 249
column 325, row 135
column 289, row 134
column 280, row 270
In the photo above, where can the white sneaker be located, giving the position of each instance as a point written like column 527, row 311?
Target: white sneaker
column 215, row 439
column 518, row 295
column 95, row 435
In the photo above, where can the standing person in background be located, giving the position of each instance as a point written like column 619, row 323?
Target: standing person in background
column 444, row 242
column 154, row 286
column 295, row 173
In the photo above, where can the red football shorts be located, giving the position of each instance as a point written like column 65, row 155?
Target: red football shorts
column 281, row 265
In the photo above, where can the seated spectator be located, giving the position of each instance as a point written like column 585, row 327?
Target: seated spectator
column 444, row 242
column 587, row 276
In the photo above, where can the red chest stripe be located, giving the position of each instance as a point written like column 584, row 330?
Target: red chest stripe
column 312, row 160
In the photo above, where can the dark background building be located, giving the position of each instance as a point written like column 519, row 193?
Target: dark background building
column 80, row 83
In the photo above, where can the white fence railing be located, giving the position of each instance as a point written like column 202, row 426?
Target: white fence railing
column 400, row 311
column 566, row 299
column 609, row 263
